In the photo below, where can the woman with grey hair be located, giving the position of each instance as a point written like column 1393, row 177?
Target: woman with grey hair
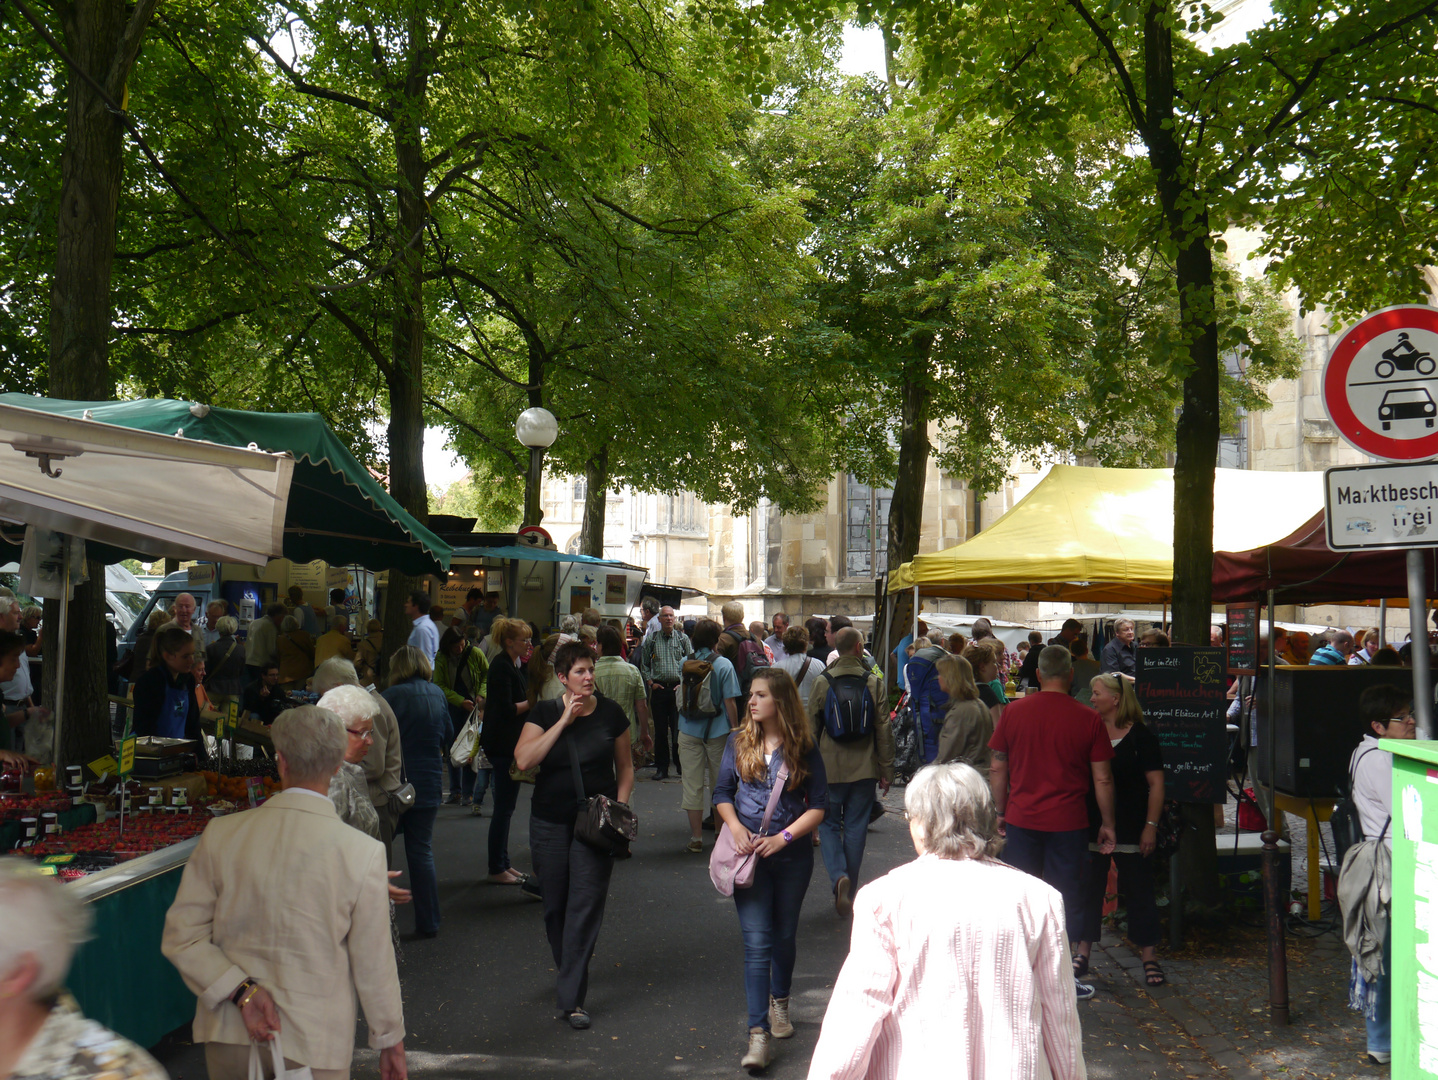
column 383, row 761
column 959, row 964
column 42, row 1031
column 225, row 663
column 348, row 789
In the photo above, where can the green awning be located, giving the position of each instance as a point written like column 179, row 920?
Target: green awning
column 337, row 511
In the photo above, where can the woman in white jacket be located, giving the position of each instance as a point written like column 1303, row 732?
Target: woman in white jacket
column 958, row 966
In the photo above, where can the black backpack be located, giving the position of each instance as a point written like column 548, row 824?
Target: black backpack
column 1345, row 822
column 746, row 653
column 849, row 708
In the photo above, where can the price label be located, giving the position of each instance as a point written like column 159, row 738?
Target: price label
column 106, row 764
column 58, row 860
column 48, row 871
column 127, row 756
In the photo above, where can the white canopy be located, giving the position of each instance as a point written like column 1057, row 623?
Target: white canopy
column 164, row 496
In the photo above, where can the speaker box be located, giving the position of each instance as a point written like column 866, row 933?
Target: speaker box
column 1316, row 724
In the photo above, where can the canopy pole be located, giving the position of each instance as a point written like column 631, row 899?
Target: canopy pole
column 916, row 613
column 1418, row 634
column 1272, row 901
column 888, row 652
column 62, row 649
column 1382, row 623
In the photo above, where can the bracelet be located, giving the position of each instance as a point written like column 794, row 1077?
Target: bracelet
column 245, row 984
column 1153, row 823
column 254, row 989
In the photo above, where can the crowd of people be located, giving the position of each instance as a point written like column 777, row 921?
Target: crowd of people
column 781, row 736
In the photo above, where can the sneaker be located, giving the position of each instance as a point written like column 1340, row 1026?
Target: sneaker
column 1380, row 1057
column 1083, row 991
column 452, row 800
column 757, row 1059
column 779, row 1025
column 843, row 899
column 694, row 847
column 476, row 809
column 529, row 886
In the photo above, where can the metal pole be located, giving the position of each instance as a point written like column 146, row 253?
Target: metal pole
column 1418, row 633
column 888, row 652
column 916, row 613
column 1272, row 901
column 532, row 512
column 1175, row 903
column 1382, row 623
column 62, row 637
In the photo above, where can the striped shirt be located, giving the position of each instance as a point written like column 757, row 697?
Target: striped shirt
column 958, row 968
column 661, row 657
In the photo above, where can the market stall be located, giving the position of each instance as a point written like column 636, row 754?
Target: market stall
column 123, row 477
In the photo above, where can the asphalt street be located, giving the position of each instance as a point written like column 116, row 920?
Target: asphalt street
column 666, row 986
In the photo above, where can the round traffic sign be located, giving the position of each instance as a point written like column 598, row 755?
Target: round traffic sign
column 1380, row 385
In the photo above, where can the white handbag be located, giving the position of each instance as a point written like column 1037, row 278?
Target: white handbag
column 466, row 744
column 277, row 1053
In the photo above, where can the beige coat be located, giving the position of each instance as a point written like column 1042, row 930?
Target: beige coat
column 384, row 760
column 866, row 759
column 294, row 898
column 968, row 726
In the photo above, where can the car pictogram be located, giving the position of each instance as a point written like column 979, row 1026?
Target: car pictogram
column 1413, row 403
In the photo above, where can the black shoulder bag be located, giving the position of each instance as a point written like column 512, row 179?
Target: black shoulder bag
column 605, row 824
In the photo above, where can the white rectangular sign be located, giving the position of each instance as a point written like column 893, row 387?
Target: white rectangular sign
column 1381, row 506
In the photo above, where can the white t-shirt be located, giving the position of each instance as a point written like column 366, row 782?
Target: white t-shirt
column 20, row 687
column 1372, row 771
column 794, row 665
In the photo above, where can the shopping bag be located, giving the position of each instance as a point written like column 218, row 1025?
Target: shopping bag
column 466, row 743
column 277, row 1055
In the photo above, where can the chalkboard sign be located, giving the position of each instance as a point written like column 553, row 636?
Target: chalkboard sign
column 1184, row 697
column 1243, row 639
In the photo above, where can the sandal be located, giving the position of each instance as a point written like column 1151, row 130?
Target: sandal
column 1152, row 973
column 1080, row 965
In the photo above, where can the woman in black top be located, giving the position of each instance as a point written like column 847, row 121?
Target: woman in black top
column 1137, row 803
column 505, row 708
column 573, row 876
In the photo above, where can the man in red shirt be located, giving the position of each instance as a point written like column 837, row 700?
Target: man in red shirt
column 1048, row 751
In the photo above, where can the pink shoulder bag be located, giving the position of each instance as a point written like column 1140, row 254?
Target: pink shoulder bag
column 727, row 868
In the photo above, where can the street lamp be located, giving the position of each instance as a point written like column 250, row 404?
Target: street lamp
column 537, row 429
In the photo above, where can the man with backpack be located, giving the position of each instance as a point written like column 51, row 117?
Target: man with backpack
column 743, row 649
column 851, row 726
column 708, row 711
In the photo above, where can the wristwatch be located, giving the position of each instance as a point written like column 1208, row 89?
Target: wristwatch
column 788, row 836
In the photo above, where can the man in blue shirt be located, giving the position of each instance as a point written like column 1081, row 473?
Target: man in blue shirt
column 425, row 635
column 1336, row 652
column 704, row 726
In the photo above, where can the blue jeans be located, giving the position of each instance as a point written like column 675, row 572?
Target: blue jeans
column 476, row 784
column 1380, row 1031
column 418, row 828
column 845, row 828
column 506, row 794
column 1061, row 859
column 769, row 920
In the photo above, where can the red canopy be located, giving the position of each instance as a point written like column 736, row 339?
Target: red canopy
column 1302, row 570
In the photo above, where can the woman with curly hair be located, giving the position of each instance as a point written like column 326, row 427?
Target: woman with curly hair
column 774, row 744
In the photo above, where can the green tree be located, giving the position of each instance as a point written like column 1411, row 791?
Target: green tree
column 1225, row 135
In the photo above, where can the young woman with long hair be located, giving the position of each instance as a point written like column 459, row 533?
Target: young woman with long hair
column 774, row 733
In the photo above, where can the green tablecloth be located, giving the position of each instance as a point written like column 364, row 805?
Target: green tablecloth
column 119, row 976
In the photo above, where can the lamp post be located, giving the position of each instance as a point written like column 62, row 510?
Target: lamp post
column 537, row 429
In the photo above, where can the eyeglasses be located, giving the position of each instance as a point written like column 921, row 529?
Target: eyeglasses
column 367, row 736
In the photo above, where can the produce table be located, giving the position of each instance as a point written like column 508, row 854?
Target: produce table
column 72, row 818
column 119, row 976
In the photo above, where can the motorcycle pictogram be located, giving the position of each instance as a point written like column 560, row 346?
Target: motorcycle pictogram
column 1404, row 356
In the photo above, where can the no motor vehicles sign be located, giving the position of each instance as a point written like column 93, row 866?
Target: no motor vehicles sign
column 1380, row 384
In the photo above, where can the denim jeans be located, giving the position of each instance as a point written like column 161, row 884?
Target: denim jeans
column 575, row 881
column 1061, row 859
column 845, row 828
column 461, row 781
column 506, row 794
column 478, row 782
column 417, row 826
column 1380, row 1031
column 769, row 920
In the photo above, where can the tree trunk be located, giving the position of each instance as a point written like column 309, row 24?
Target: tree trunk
column 596, row 498
column 1185, row 213
column 406, row 371
column 906, row 508
column 91, row 168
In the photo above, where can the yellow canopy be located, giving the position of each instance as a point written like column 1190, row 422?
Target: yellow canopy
column 1106, row 536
